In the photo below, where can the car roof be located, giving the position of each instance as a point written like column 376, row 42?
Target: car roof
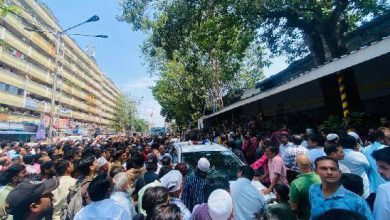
column 187, row 147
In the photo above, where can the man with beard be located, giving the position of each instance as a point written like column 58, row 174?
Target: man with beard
column 32, row 200
column 330, row 194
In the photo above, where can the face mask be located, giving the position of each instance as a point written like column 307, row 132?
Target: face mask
column 130, row 190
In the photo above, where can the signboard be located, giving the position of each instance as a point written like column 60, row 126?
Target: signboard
column 31, row 103
column 65, row 110
column 16, row 126
column 41, row 134
column 61, row 123
column 29, row 127
column 4, row 125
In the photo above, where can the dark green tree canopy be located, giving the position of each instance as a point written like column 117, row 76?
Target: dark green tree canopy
column 218, row 44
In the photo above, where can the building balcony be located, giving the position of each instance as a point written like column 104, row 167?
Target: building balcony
column 34, row 37
column 20, row 82
column 25, row 67
column 25, row 49
column 11, row 100
column 41, row 13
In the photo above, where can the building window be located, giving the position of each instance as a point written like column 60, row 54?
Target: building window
column 2, row 86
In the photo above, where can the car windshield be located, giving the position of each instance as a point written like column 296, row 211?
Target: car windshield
column 223, row 163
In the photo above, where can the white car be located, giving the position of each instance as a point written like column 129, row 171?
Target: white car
column 223, row 161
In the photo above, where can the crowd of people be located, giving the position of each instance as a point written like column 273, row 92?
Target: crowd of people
column 314, row 175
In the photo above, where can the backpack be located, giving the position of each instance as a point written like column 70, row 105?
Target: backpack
column 75, row 201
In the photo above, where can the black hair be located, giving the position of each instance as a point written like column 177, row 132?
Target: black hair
column 117, row 155
column 274, row 149
column 166, row 161
column 68, row 155
column 166, row 212
column 114, row 171
column 378, row 134
column 12, row 171
column 347, row 142
column 213, row 184
column 352, row 182
column 61, row 167
column 98, row 188
column 154, row 196
column 84, row 165
column 46, row 166
column 283, row 191
column 340, row 214
column 325, row 158
column 247, row 172
column 330, row 148
column 136, row 161
column 317, row 138
column 164, row 170
column 182, row 167
column 382, row 155
column 296, row 139
column 89, row 151
column 28, row 159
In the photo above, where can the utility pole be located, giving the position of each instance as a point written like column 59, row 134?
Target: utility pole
column 58, row 36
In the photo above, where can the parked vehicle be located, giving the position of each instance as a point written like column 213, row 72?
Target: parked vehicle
column 222, row 160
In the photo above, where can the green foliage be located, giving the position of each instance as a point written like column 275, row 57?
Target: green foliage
column 182, row 95
column 126, row 115
column 198, row 42
column 354, row 121
column 5, row 9
column 192, row 44
column 297, row 27
column 4, row 109
column 140, row 125
column 333, row 124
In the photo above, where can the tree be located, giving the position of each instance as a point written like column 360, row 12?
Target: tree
column 293, row 28
column 297, row 27
column 126, row 117
column 198, row 44
column 140, row 125
column 122, row 113
column 6, row 8
column 182, row 95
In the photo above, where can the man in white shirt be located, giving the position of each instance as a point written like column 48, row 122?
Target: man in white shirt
column 101, row 207
column 64, row 169
column 382, row 200
column 356, row 162
column 122, row 192
column 285, row 144
column 336, row 152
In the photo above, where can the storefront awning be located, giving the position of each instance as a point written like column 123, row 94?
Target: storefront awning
column 351, row 59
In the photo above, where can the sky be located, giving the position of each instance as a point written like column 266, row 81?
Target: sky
column 119, row 56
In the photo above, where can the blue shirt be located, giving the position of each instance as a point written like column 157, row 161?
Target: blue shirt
column 315, row 153
column 373, row 174
column 358, row 164
column 341, row 199
column 247, row 200
column 185, row 213
column 193, row 191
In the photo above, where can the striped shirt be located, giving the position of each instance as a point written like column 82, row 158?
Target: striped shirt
column 185, row 213
column 193, row 191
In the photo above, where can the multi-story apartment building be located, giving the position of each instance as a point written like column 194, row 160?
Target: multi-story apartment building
column 84, row 97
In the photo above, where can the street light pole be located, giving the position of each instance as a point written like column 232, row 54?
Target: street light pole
column 54, row 91
column 58, row 36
